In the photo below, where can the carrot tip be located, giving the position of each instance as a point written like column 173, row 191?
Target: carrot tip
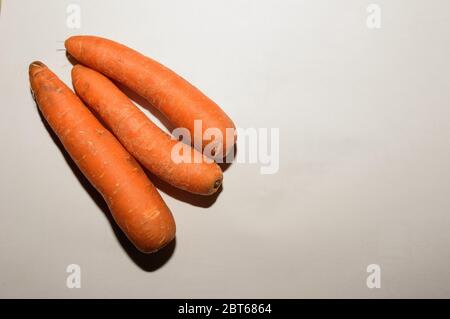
column 37, row 63
column 35, row 67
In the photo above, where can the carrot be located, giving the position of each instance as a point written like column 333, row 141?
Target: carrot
column 178, row 100
column 132, row 199
column 152, row 147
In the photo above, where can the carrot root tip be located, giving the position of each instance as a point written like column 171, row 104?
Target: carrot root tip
column 37, row 63
column 35, row 67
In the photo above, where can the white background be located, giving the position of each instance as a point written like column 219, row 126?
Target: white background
column 364, row 152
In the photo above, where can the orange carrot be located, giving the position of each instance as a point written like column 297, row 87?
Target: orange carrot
column 132, row 199
column 152, row 147
column 179, row 101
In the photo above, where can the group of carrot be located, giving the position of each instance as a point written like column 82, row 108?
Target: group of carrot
column 107, row 136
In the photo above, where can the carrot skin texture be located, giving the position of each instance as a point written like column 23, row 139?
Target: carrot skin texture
column 135, row 204
column 151, row 146
column 179, row 101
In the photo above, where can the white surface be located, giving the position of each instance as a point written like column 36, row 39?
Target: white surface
column 364, row 152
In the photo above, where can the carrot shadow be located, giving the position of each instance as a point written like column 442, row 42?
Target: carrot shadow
column 147, row 262
column 226, row 164
column 71, row 59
